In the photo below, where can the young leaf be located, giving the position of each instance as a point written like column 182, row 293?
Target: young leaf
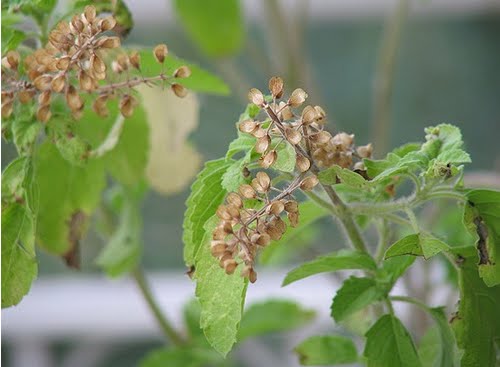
column 476, row 323
column 388, row 344
column 482, row 219
column 209, row 25
column 206, row 195
column 355, row 294
column 341, row 260
column 346, row 176
column 326, row 351
column 19, row 265
column 221, row 296
column 418, row 244
column 272, row 316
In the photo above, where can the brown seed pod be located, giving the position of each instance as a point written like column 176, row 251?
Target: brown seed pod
column 135, row 60
column 108, row 42
column 179, row 90
column 99, row 106
column 217, row 247
column 293, row 136
column 58, row 83
column 89, row 14
column 291, row 206
column 76, row 25
column 259, row 132
column 320, row 114
column 297, row 97
column 285, row 112
column 11, row 60
column 309, row 115
column 122, row 60
column 276, row 86
column 256, row 97
column 264, row 180
column 268, row 159
column 63, row 63
column 343, row 140
column 294, row 219
column 234, row 199
column 107, row 24
column 182, row 72
column 43, row 82
column 303, row 163
column 44, row 98
column 276, row 208
column 127, row 105
column 260, row 239
column 86, row 81
column 160, row 52
column 249, row 273
column 365, row 151
column 25, row 96
column 73, row 99
column 7, row 108
column 247, row 126
column 247, row 191
column 322, row 137
column 98, row 67
column 309, row 183
column 262, row 144
column 43, row 113
column 230, row 266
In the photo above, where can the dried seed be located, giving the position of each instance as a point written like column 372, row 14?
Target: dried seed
column 7, row 108
column 309, row 115
column 179, row 90
column 58, row 83
column 320, row 113
column 99, row 106
column 276, row 208
column 160, row 52
column 291, row 206
column 43, row 82
column 292, row 135
column 107, row 24
column 11, row 60
column 309, row 183
column 365, row 151
column 108, row 42
column 262, row 144
column 89, row 14
column 230, row 266
column 43, row 113
column 44, row 98
column 247, row 126
column 73, row 99
column 343, row 140
column 322, row 137
column 294, row 219
column 97, row 66
column 25, row 96
column 63, row 63
column 256, row 97
column 86, row 81
column 182, row 72
column 135, row 60
column 259, row 132
column 297, row 97
column 127, row 105
column 260, row 239
column 303, row 163
column 247, row 191
column 234, row 199
column 268, row 159
column 217, row 247
column 276, row 86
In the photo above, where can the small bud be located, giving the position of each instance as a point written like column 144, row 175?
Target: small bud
column 217, row 247
column 127, row 105
column 297, row 97
column 267, row 160
column 309, row 183
column 291, row 206
column 365, row 151
column 309, row 115
column 234, row 199
column 160, row 52
column 89, row 14
column 303, row 163
column 107, row 24
column 182, row 72
column 135, row 60
column 247, row 126
column 43, row 113
column 43, row 82
column 108, row 42
column 276, row 86
column 247, row 191
column 262, row 144
column 44, row 98
column 294, row 219
column 292, row 135
column 256, row 97
column 25, row 96
column 276, row 208
column 179, row 90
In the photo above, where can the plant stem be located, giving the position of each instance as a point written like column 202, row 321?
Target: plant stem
column 411, row 300
column 383, row 230
column 165, row 325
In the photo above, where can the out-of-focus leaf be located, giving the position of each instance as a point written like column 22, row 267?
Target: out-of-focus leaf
column 326, row 351
column 25, row 130
column 216, row 28
column 181, row 356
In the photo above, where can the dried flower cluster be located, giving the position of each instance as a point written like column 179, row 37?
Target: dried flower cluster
column 73, row 63
column 243, row 229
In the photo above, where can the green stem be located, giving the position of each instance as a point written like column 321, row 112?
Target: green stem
column 389, row 306
column 411, row 300
column 165, row 325
column 383, row 230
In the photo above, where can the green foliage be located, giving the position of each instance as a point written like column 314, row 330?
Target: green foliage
column 419, row 244
column 388, row 344
column 341, row 260
column 181, row 356
column 326, row 351
column 209, row 25
column 272, row 316
column 346, row 176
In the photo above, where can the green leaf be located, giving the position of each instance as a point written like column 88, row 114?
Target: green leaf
column 199, row 81
column 182, row 356
column 243, row 143
column 123, row 251
column 286, row 158
column 388, row 344
column 66, row 192
column 72, row 148
column 233, row 178
column 25, row 130
column 482, row 219
column 393, row 268
column 221, row 296
column 341, row 260
column 13, row 180
column 19, row 265
column 355, row 294
column 12, row 40
column 217, row 29
column 309, row 213
column 273, row 316
column 206, row 195
column 476, row 323
column 326, row 351
column 346, row 176
column 418, row 244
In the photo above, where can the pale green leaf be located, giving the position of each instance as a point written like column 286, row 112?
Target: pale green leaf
column 419, row 244
column 286, row 158
column 326, row 351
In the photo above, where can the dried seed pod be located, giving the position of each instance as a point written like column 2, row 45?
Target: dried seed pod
column 365, row 151
column 279, row 224
column 58, row 83
column 291, row 206
column 309, row 115
column 343, row 140
column 122, row 60
column 25, row 96
column 247, row 126
column 262, row 144
column 249, row 273
column 182, row 72
column 230, row 266
column 108, row 42
column 234, row 199
column 233, row 211
column 293, row 136
column 218, row 234
column 43, row 82
column 260, row 239
column 76, row 25
column 259, row 132
column 320, row 114
column 89, row 14
column 127, row 105
column 217, row 247
column 276, row 208
column 268, row 159
column 43, row 113
column 63, row 63
column 294, row 219
column 359, row 166
column 7, row 108
column 226, row 226
column 276, row 86
column 303, row 163
column 179, row 90
column 247, row 191
column 115, row 66
column 98, row 66
column 107, row 24
column 44, row 98
column 86, row 81
column 11, row 60
column 297, row 97
column 160, row 52
column 285, row 112
column 99, row 106
column 256, row 97
column 135, row 60
column 322, row 137
column 309, row 183
column 264, row 180
column 73, row 99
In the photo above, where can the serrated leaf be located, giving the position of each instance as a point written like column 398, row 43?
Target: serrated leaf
column 273, row 316
column 206, row 195
column 341, row 260
column 19, row 265
column 355, row 294
column 326, row 351
column 482, row 219
column 476, row 323
column 418, row 244
column 346, row 176
column 388, row 344
column 393, row 268
column 208, row 25
column 221, row 296
column 64, row 191
column 243, row 143
column 233, row 177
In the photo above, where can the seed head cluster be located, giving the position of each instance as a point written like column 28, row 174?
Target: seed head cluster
column 77, row 61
